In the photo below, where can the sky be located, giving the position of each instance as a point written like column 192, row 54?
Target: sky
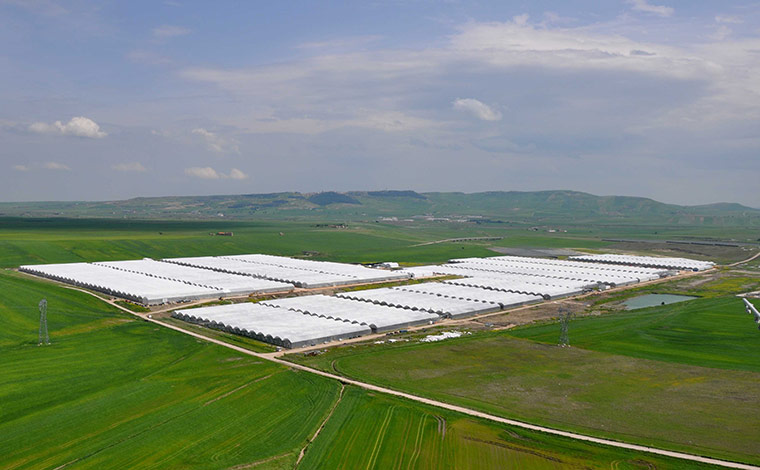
column 113, row 100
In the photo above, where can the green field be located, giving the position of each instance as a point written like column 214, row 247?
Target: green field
column 112, row 391
column 115, row 392
column 36, row 241
column 704, row 332
column 638, row 376
column 376, row 431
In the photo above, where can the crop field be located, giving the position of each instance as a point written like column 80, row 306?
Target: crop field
column 37, row 241
column 706, row 332
column 112, row 391
column 375, row 431
column 659, row 375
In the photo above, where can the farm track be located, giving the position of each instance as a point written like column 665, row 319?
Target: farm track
column 440, row 404
column 745, row 261
column 321, row 427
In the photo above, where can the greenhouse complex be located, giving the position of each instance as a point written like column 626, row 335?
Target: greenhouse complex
column 307, row 302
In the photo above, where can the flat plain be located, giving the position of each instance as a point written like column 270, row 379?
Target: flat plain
column 665, row 375
column 112, row 390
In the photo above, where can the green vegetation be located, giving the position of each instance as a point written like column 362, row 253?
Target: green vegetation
column 650, row 376
column 705, row 332
column 132, row 306
column 34, row 241
column 112, row 391
column 377, row 431
column 491, row 207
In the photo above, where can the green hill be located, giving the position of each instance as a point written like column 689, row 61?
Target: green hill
column 537, row 207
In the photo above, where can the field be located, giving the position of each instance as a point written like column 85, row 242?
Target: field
column 375, row 431
column 705, row 332
column 31, row 241
column 660, row 375
column 113, row 391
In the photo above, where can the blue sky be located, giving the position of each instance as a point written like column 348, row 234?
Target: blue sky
column 111, row 100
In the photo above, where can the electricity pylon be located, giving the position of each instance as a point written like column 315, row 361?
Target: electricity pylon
column 44, row 338
column 565, row 315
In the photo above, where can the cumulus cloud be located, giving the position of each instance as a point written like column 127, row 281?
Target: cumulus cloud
column 78, row 126
column 169, row 31
column 130, row 166
column 217, row 143
column 208, row 173
column 21, row 168
column 646, row 7
column 477, row 108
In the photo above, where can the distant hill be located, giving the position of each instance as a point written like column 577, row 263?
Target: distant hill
column 539, row 207
column 330, row 197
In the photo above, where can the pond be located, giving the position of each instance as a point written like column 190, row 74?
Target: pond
column 652, row 300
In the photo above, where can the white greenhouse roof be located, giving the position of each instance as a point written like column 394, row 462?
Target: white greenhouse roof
column 501, row 298
column 420, row 301
column 378, row 317
column 273, row 325
column 128, row 285
column 225, row 283
column 648, row 261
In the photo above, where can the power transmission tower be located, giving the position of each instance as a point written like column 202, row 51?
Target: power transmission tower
column 44, row 338
column 565, row 316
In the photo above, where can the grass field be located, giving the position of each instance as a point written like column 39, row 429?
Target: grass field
column 114, row 392
column 631, row 376
column 706, row 332
column 376, row 431
column 30, row 241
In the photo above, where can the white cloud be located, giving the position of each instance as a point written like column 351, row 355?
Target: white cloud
column 477, row 108
column 130, row 166
column 208, row 173
column 55, row 166
column 377, row 89
column 77, row 126
column 646, row 7
column 217, row 143
column 170, row 31
column 236, row 174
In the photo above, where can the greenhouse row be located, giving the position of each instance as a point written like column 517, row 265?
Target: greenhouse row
column 273, row 325
column 378, row 317
column 305, row 274
column 127, row 285
column 682, row 264
column 228, row 284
